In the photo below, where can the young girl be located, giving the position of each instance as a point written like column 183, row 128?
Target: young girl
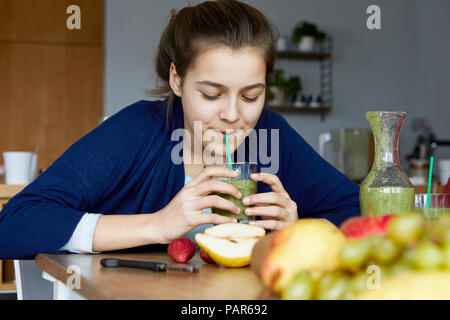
column 121, row 186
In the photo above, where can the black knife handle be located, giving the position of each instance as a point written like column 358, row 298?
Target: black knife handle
column 150, row 265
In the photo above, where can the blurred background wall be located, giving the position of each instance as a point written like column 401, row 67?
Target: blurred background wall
column 404, row 66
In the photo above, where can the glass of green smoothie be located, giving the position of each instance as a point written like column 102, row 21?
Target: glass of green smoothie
column 439, row 204
column 244, row 184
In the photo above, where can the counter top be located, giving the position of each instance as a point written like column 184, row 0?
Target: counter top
column 212, row 282
column 8, row 191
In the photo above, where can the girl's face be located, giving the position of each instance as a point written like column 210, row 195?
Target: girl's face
column 225, row 90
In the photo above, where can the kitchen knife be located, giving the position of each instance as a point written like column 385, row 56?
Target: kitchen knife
column 150, row 265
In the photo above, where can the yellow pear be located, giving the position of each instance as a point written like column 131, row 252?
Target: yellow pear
column 230, row 244
column 305, row 245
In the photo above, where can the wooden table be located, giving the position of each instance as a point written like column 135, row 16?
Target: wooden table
column 97, row 282
column 7, row 192
column 7, row 266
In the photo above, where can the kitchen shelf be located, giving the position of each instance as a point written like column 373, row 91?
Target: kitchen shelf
column 292, row 108
column 322, row 110
column 302, row 55
column 323, row 55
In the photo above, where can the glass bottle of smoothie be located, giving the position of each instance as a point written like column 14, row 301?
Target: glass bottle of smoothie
column 386, row 189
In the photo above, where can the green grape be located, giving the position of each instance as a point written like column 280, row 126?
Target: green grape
column 300, row 288
column 386, row 251
column 439, row 230
column 324, row 282
column 399, row 267
column 444, row 220
column 326, row 279
column 406, row 229
column 407, row 256
column 354, row 254
column 374, row 240
column 446, row 236
column 427, row 255
column 383, row 272
column 333, row 287
column 357, row 284
column 446, row 255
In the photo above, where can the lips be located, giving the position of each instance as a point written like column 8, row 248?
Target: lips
column 222, row 132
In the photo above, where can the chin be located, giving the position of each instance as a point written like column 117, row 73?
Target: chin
column 217, row 147
column 218, row 151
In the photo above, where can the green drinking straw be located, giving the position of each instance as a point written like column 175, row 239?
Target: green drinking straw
column 228, row 152
column 429, row 181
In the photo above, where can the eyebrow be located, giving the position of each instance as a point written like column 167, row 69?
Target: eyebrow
column 221, row 86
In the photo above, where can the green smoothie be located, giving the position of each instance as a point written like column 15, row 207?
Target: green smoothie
column 432, row 213
column 386, row 200
column 246, row 187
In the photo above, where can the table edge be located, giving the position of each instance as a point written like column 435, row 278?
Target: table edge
column 42, row 260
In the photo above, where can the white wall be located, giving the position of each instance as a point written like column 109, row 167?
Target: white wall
column 388, row 69
column 434, row 67
column 132, row 32
column 372, row 69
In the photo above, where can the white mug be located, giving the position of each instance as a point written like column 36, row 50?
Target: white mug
column 20, row 167
column 444, row 171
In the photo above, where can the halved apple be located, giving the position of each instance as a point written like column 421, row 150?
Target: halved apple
column 230, row 244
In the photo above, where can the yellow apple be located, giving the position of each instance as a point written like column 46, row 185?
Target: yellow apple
column 305, row 245
column 230, row 244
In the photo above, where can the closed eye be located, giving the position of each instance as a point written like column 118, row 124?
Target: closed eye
column 210, row 97
column 250, row 99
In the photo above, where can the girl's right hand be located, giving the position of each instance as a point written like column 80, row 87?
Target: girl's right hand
column 184, row 212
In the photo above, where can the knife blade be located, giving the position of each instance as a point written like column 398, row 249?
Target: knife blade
column 149, row 265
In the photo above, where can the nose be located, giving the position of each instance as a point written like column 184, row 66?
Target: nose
column 230, row 113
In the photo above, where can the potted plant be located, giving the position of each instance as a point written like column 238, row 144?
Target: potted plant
column 305, row 35
column 276, row 85
column 292, row 88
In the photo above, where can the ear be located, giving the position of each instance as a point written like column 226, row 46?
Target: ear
column 175, row 80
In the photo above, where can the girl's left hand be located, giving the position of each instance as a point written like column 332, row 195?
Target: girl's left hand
column 276, row 208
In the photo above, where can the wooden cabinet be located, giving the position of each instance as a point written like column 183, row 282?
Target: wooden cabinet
column 7, row 266
column 7, row 282
column 51, row 78
column 51, row 82
column 45, row 21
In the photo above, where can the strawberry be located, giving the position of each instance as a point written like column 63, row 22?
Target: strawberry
column 181, row 250
column 205, row 257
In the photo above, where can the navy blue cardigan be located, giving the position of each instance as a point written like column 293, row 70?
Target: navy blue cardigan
column 124, row 167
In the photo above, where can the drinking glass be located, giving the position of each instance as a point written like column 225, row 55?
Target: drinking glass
column 439, row 204
column 244, row 184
